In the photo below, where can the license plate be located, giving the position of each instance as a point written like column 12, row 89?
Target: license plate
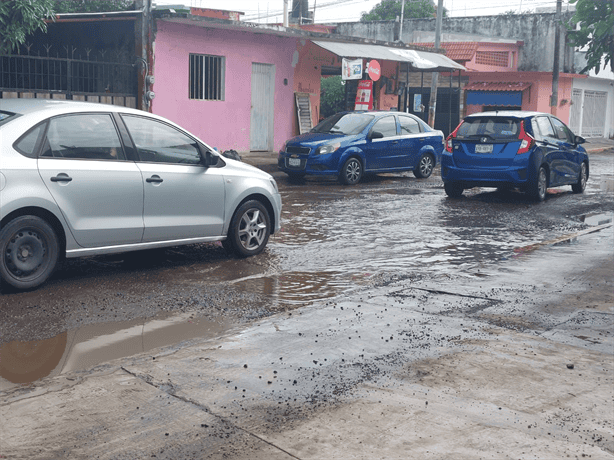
column 483, row 148
column 294, row 161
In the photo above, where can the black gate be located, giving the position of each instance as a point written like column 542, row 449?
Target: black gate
column 447, row 111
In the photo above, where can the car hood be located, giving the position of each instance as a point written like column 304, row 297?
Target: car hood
column 235, row 167
column 317, row 139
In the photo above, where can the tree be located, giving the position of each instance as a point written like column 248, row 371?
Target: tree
column 91, row 6
column 20, row 18
column 332, row 95
column 388, row 10
column 596, row 31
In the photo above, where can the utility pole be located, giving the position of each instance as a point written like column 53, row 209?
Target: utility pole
column 401, row 25
column 554, row 99
column 435, row 75
column 285, row 22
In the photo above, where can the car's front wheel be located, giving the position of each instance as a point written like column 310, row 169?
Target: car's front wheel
column 425, row 166
column 249, row 230
column 579, row 186
column 453, row 190
column 351, row 172
column 29, row 252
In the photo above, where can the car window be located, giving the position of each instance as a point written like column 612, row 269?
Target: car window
column 409, row 125
column 491, row 127
column 89, row 136
column 561, row 131
column 343, row 123
column 26, row 144
column 387, row 126
column 544, row 126
column 161, row 143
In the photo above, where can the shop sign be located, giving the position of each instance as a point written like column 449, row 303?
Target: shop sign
column 364, row 95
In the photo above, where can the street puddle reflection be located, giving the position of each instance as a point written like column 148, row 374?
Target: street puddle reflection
column 22, row 363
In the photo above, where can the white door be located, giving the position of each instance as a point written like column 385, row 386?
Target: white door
column 262, row 116
column 593, row 113
column 575, row 115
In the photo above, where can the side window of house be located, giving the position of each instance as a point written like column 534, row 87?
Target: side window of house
column 387, row 126
column 158, row 142
column 409, row 125
column 88, row 136
column 561, row 130
column 545, row 128
column 207, row 76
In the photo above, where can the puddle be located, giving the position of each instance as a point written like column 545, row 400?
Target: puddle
column 596, row 219
column 22, row 363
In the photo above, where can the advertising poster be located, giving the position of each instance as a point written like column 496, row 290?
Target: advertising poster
column 364, row 95
column 351, row 70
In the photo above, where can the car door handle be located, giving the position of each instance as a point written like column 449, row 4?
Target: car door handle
column 155, row 178
column 61, row 178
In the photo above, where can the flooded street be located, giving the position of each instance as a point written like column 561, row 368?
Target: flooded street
column 334, row 240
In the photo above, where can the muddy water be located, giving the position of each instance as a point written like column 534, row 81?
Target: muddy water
column 333, row 239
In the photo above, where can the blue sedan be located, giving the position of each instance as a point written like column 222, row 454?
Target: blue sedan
column 348, row 145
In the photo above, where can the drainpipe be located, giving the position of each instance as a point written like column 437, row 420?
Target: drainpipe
column 554, row 99
column 285, row 13
column 435, row 75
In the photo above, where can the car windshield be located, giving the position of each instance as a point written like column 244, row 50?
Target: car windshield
column 343, row 123
column 491, row 127
column 6, row 116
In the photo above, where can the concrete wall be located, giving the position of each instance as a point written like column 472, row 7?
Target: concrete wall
column 535, row 30
column 222, row 124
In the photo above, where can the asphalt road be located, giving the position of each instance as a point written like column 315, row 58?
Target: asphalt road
column 366, row 292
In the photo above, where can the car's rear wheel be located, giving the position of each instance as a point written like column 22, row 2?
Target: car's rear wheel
column 453, row 190
column 580, row 186
column 425, row 166
column 29, row 252
column 540, row 186
column 249, row 230
column 351, row 172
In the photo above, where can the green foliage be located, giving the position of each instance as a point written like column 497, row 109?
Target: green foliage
column 20, row 18
column 332, row 94
column 388, row 10
column 596, row 31
column 91, row 6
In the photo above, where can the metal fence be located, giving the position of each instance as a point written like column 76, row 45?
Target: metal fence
column 68, row 75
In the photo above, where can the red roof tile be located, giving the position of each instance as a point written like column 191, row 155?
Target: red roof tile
column 496, row 86
column 457, row 51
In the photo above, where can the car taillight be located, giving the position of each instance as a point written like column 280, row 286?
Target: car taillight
column 526, row 140
column 452, row 136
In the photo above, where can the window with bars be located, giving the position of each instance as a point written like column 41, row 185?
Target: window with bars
column 494, row 58
column 207, row 75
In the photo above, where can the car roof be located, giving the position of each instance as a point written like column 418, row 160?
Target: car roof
column 507, row 113
column 26, row 106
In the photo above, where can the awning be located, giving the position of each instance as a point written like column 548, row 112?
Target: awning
column 496, row 86
column 418, row 60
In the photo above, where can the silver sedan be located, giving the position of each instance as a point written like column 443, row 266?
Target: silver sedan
column 81, row 179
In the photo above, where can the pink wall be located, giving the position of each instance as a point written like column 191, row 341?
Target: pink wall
column 537, row 97
column 222, row 124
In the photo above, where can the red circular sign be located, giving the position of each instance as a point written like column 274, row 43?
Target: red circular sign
column 374, row 70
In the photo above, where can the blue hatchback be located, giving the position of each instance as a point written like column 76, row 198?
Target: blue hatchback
column 530, row 151
column 350, row 144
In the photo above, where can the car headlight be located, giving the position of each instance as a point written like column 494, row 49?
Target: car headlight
column 328, row 148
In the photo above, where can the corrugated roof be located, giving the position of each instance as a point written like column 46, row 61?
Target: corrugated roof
column 419, row 60
column 457, row 51
column 497, row 86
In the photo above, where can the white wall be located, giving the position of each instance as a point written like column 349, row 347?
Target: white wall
column 600, row 84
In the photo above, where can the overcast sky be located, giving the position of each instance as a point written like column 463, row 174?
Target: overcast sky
column 350, row 10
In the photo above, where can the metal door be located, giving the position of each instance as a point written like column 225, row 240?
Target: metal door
column 575, row 114
column 262, row 116
column 593, row 110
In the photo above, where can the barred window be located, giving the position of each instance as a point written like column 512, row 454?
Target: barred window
column 494, row 58
column 207, row 75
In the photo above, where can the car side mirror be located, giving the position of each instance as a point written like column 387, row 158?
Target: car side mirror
column 376, row 135
column 579, row 140
column 209, row 159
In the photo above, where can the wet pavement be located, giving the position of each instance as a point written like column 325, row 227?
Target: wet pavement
column 361, row 288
